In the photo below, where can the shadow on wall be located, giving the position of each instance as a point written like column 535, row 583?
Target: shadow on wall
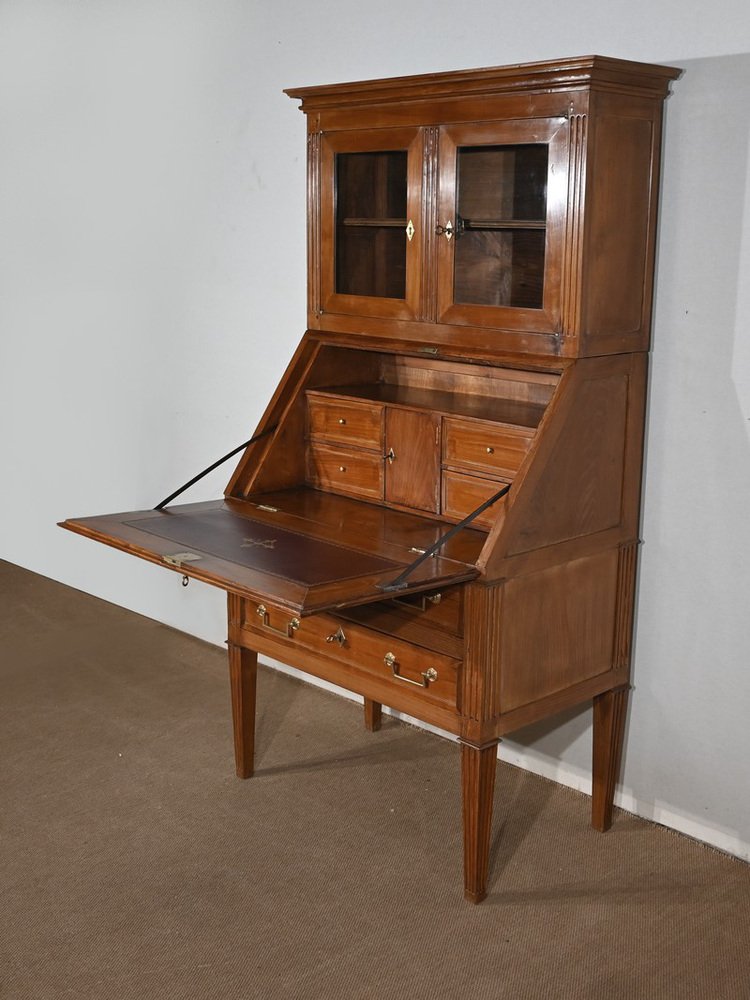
column 691, row 628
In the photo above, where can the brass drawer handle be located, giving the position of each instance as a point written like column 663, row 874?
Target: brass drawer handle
column 427, row 675
column 342, row 421
column 490, row 451
column 287, row 633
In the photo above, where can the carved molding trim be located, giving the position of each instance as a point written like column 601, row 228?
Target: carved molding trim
column 313, row 223
column 623, row 638
column 428, row 296
column 573, row 250
column 480, row 676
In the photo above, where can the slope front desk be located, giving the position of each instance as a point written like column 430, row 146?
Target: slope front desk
column 480, row 267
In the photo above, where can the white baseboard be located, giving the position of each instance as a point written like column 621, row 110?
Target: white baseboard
column 723, row 839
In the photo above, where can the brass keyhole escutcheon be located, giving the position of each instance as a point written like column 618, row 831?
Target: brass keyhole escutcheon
column 338, row 636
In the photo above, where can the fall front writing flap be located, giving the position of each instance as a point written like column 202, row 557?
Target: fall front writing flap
column 328, row 553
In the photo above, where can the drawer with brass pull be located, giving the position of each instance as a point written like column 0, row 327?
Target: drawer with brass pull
column 355, row 473
column 345, row 421
column 463, row 494
column 484, row 447
column 365, row 652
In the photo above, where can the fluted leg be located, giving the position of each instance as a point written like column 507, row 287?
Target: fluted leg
column 477, row 784
column 373, row 715
column 609, row 732
column 243, row 671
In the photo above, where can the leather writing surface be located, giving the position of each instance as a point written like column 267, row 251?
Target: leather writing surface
column 272, row 550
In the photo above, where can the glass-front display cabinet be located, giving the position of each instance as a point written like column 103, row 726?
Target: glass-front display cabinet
column 439, row 509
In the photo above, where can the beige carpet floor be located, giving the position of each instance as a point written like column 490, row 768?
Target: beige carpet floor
column 134, row 865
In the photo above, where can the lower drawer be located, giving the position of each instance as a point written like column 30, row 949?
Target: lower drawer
column 401, row 669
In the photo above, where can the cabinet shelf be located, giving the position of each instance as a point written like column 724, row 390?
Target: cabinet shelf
column 475, row 224
column 511, row 412
column 375, row 223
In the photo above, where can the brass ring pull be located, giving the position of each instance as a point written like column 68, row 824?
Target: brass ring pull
column 427, row 675
column 287, row 633
column 446, row 230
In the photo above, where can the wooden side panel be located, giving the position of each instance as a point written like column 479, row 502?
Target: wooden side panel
column 276, row 411
column 583, row 474
column 622, row 189
column 618, row 233
column 279, row 461
column 559, row 628
column 583, row 495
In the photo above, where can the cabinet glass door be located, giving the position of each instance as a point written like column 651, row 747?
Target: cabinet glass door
column 370, row 202
column 501, row 214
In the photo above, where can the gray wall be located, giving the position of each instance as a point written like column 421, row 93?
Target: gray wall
column 152, row 290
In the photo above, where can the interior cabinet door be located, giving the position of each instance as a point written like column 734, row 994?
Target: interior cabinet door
column 412, row 444
column 501, row 224
column 371, row 243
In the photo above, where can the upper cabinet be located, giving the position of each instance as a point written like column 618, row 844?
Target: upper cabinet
column 499, row 210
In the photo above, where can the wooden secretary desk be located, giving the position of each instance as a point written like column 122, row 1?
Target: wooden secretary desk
column 481, row 255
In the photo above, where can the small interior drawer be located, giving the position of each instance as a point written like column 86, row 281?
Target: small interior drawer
column 345, row 421
column 355, row 473
column 462, row 494
column 443, row 608
column 484, row 446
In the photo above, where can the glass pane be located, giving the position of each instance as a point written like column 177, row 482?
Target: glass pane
column 501, row 217
column 371, row 223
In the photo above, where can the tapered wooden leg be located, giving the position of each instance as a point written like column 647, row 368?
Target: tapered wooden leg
column 609, row 732
column 477, row 785
column 373, row 715
column 243, row 672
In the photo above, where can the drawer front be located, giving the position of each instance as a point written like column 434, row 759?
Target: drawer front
column 346, row 422
column 402, row 667
column 358, row 474
column 463, row 494
column 480, row 445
